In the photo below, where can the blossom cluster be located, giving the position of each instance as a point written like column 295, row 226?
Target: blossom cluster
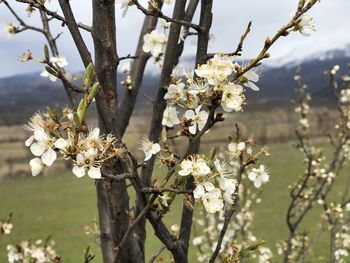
column 342, row 243
column 32, row 251
column 211, row 85
column 298, row 243
column 62, row 138
column 215, row 180
column 210, row 226
column 5, row 227
column 345, row 107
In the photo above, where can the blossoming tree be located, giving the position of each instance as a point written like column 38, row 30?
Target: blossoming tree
column 189, row 102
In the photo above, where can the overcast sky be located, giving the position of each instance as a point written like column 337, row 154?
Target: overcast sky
column 230, row 19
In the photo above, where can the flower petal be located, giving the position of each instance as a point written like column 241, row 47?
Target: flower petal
column 94, row 172
column 61, row 143
column 29, row 141
column 198, row 192
column 79, row 171
column 36, row 166
column 37, row 148
column 48, row 157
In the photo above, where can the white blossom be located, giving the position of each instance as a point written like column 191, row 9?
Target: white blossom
column 306, row 25
column 124, row 5
column 197, row 241
column 304, row 122
column 228, row 186
column 59, row 61
column 9, row 30
column 44, row 146
column 28, row 251
column 175, row 92
column 170, row 117
column 47, row 74
column 164, row 23
column 259, row 176
column 198, row 117
column 201, row 188
column 345, row 96
column 251, row 77
column 235, row 149
column 154, row 43
column 232, row 97
column 149, row 148
column 175, row 228
column 212, row 201
column 216, row 69
column 222, row 168
column 6, row 228
column 85, row 161
column 194, row 166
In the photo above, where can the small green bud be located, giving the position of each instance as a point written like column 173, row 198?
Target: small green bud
column 46, row 53
column 212, row 153
column 51, row 71
column 76, row 119
column 52, row 114
column 88, row 75
column 81, row 110
column 92, row 92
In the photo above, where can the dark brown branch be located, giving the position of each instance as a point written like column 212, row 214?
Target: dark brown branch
column 239, row 48
column 158, row 13
column 269, row 42
column 231, row 211
column 160, row 190
column 52, row 14
column 21, row 21
column 118, row 177
column 136, row 72
column 205, row 23
column 74, row 31
column 61, row 73
column 135, row 222
column 153, row 258
column 126, row 57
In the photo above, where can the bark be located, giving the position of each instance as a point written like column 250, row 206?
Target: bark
column 201, row 58
column 113, row 199
column 170, row 60
column 136, row 72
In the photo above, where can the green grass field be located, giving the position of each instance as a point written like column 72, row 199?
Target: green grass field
column 61, row 205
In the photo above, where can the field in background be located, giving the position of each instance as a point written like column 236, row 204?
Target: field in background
column 61, row 205
column 267, row 126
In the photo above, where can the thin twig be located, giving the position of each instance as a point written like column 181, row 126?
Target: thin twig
column 159, row 13
column 157, row 254
column 52, row 14
column 239, row 48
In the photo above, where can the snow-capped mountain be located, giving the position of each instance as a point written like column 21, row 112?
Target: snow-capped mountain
column 21, row 95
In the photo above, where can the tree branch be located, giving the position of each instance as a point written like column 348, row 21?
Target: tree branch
column 52, row 14
column 74, row 31
column 239, row 48
column 158, row 13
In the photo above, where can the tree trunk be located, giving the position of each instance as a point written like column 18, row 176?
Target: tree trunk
column 112, row 195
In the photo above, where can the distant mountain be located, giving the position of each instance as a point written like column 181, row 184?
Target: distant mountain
column 22, row 95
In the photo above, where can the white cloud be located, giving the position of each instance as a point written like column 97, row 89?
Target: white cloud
column 230, row 20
